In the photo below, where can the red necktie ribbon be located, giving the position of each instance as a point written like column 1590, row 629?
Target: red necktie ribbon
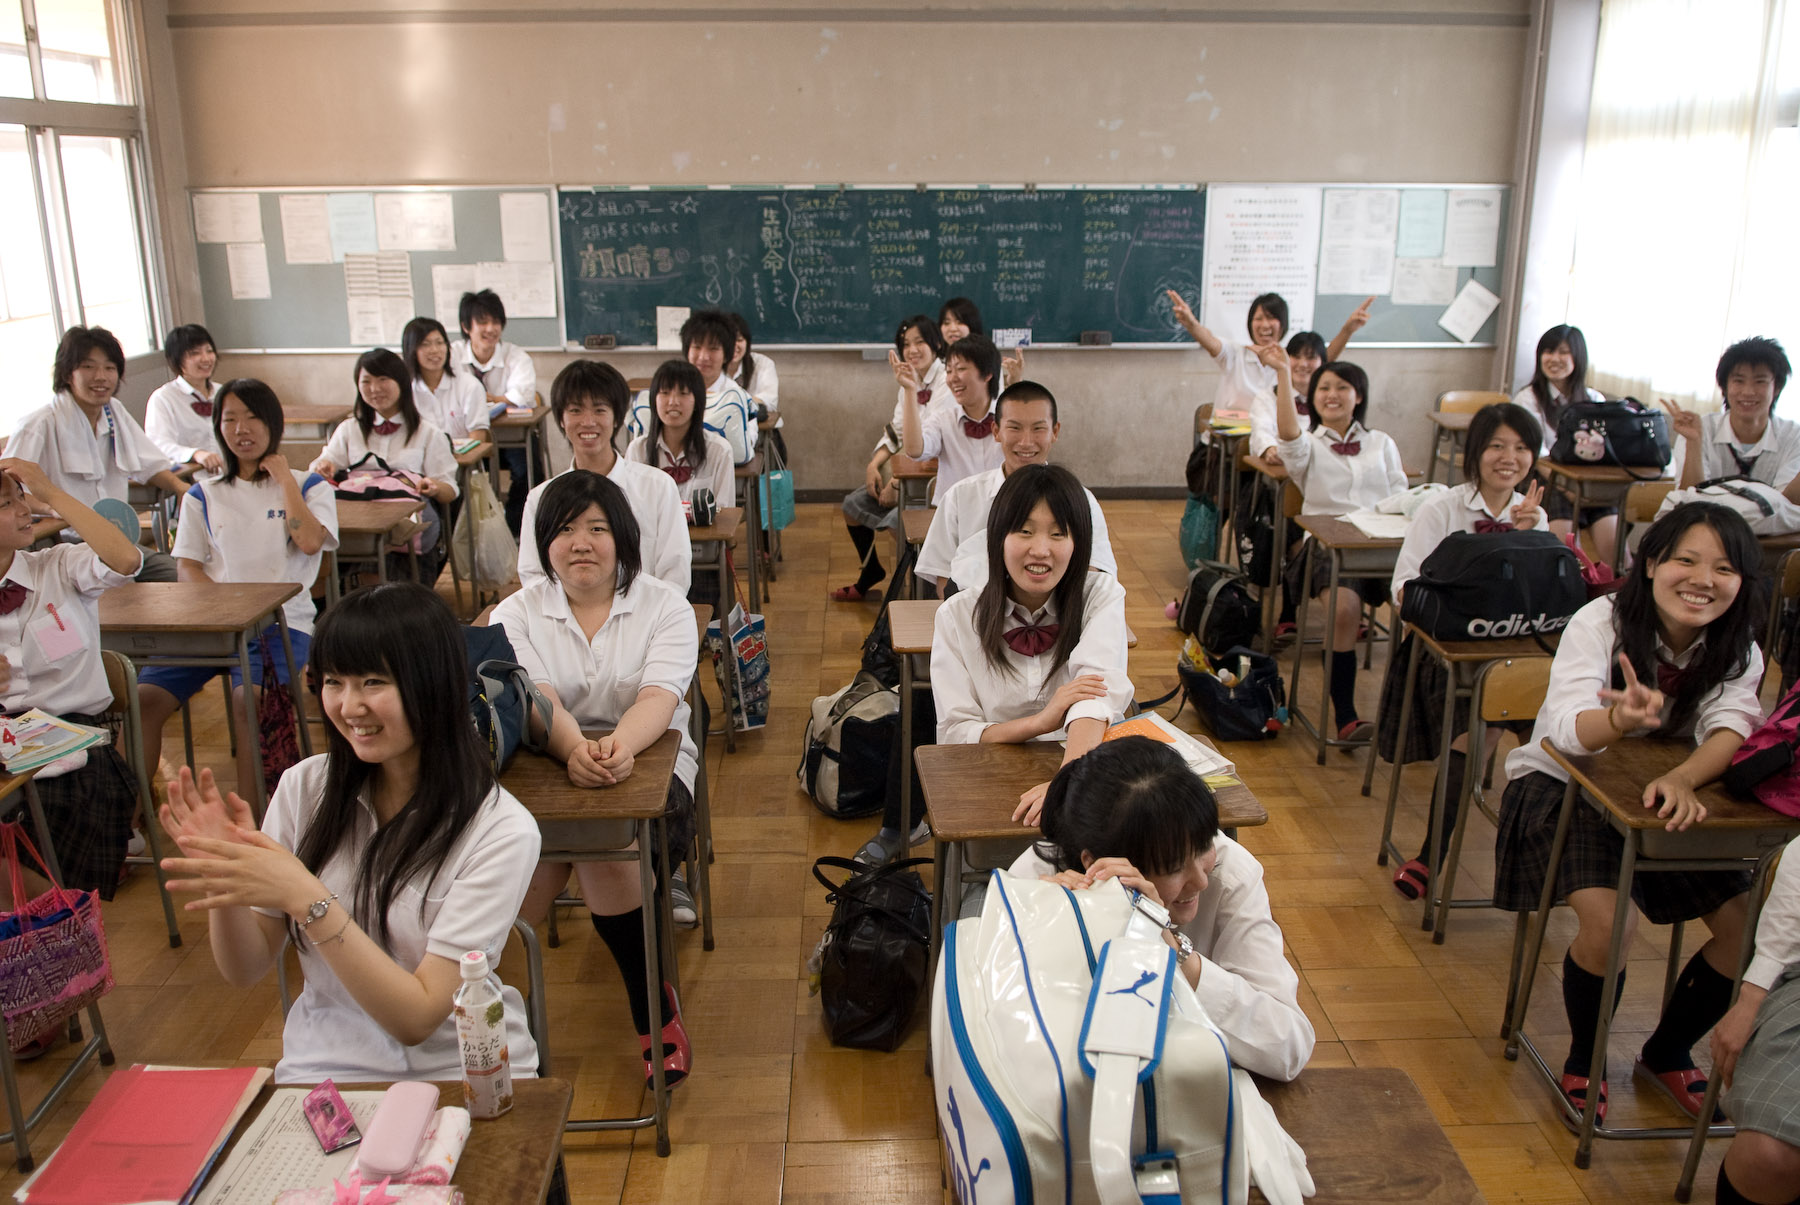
column 979, row 430
column 387, row 428
column 203, row 409
column 1488, row 527
column 1349, row 447
column 681, row 472
column 12, row 597
column 1030, row 639
column 924, row 397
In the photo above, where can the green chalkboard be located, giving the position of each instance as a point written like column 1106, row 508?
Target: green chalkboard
column 829, row 265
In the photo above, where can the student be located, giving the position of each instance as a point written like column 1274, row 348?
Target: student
column 453, row 400
column 675, row 440
column 707, row 339
column 385, row 859
column 178, row 417
column 1559, row 381
column 955, row 547
column 1339, row 466
column 1674, row 653
column 507, row 375
column 89, row 446
column 959, row 438
column 917, row 362
column 612, row 648
column 1132, row 810
column 755, row 374
column 259, row 521
column 1755, row 1053
column 588, row 401
column 1745, row 439
column 1499, row 455
column 958, row 318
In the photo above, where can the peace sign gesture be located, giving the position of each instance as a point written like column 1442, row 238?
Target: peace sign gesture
column 1637, row 706
column 1530, row 512
column 1178, row 305
column 1685, row 422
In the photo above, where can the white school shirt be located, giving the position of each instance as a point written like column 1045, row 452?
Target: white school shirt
column 1246, row 985
column 1585, row 658
column 939, row 397
column 729, row 415
column 458, row 405
column 958, row 456
column 172, row 425
column 88, row 463
column 647, row 640
column 426, row 451
column 1528, row 399
column 973, row 693
column 663, row 546
column 1331, row 484
column 1778, row 926
column 715, row 475
column 237, row 530
column 765, row 385
column 509, row 373
column 1247, row 386
column 468, row 905
column 65, row 583
column 1456, row 509
column 1777, row 453
column 956, row 542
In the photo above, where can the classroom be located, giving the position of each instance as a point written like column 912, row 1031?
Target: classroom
column 1127, row 503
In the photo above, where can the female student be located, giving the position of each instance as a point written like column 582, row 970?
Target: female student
column 1132, row 810
column 755, row 374
column 178, row 417
column 1339, row 466
column 259, row 521
column 1745, row 440
column 960, row 437
column 385, row 859
column 612, row 648
column 918, row 367
column 1560, row 381
column 1499, row 455
column 958, row 318
column 1673, row 654
column 676, row 441
column 707, row 340
column 453, row 400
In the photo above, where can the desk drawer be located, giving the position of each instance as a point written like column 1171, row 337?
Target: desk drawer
column 1716, row 843
column 145, row 647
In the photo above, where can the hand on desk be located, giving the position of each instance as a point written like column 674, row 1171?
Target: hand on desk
column 1272, row 457
column 1031, row 804
column 1680, row 806
column 600, row 763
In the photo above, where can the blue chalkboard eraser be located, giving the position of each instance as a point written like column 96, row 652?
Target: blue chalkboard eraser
column 1096, row 338
column 600, row 342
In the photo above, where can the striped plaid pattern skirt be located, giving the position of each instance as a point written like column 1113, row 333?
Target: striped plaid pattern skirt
column 89, row 813
column 1765, row 1092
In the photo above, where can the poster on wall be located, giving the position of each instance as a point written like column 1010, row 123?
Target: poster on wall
column 1259, row 239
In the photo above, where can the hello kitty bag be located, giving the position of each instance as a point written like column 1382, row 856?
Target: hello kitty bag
column 1625, row 434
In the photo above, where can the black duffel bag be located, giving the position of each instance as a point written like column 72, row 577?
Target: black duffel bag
column 1493, row 586
column 874, row 958
column 1625, row 434
column 1217, row 609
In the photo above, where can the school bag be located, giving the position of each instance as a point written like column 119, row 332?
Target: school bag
column 872, row 961
column 844, row 757
column 1217, row 609
column 1476, row 586
column 501, row 695
column 1764, row 766
column 1762, row 505
column 1625, row 434
column 372, row 479
column 1238, row 694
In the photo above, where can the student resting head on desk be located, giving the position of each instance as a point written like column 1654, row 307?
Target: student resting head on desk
column 384, row 859
column 678, row 443
column 260, row 521
column 451, row 399
column 178, row 416
column 1674, row 653
column 1132, row 810
column 1745, row 439
column 588, row 401
column 1559, row 381
column 1498, row 457
column 958, row 437
column 614, row 648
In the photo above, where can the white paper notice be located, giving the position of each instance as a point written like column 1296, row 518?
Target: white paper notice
column 668, row 326
column 448, row 283
column 365, row 322
column 525, row 227
column 228, row 217
column 305, row 228
column 415, row 221
column 1421, row 223
column 1423, row 282
column 1472, row 227
column 1356, row 245
column 528, row 289
column 1259, row 240
column 378, row 290
column 249, row 266
column 352, row 216
column 1470, row 309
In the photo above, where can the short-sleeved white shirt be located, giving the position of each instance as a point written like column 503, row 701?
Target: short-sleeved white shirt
column 1456, row 509
column 425, row 451
column 64, row 583
column 86, row 462
column 458, row 405
column 715, row 475
column 765, row 384
column 956, row 542
column 649, row 639
column 509, row 374
column 468, row 905
column 1774, row 459
column 1331, row 484
column 172, row 424
column 663, row 546
column 237, row 531
column 1247, row 390
column 946, row 440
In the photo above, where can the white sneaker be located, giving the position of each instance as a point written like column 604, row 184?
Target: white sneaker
column 135, row 847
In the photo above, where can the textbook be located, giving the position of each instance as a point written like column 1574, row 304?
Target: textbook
column 1201, row 758
column 38, row 738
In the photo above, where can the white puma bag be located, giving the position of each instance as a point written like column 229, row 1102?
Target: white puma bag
column 1763, row 506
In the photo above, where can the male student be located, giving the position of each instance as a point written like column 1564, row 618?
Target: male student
column 708, row 338
column 1026, row 428
column 1745, row 440
column 89, row 446
column 507, row 375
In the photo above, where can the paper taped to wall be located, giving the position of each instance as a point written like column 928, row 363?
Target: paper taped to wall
column 1470, row 309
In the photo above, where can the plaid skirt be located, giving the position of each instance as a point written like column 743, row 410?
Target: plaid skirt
column 1765, row 1092
column 89, row 813
column 1528, row 815
column 1424, row 736
column 861, row 509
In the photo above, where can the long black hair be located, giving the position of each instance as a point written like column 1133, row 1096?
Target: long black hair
column 1133, row 798
column 677, row 376
column 406, row 632
column 1018, row 497
column 747, row 369
column 1726, row 651
column 1550, row 403
column 380, row 362
column 261, row 401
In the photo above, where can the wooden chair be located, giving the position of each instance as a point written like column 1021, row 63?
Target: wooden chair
column 1202, row 419
column 1786, row 595
column 1455, row 401
column 121, row 679
column 1642, row 500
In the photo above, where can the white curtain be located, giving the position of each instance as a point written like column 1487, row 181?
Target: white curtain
column 1679, row 245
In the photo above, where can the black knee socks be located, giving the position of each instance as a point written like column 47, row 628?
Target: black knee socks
column 1453, row 784
column 1700, row 998
column 864, row 539
column 1343, row 686
column 624, row 936
column 1727, row 1193
column 1581, row 1001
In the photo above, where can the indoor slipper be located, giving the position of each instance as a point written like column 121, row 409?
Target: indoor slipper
column 1410, row 879
column 1575, row 1089
column 678, row 1053
column 1687, row 1088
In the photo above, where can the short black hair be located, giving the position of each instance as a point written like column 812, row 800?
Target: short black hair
column 1353, row 376
column 709, row 326
column 1272, row 304
column 980, row 351
column 261, row 401
column 1486, row 422
column 965, row 311
column 566, row 498
column 184, row 339
column 485, row 304
column 1024, row 392
column 1759, row 352
column 1307, row 339
column 928, row 331
column 595, row 379
column 76, row 343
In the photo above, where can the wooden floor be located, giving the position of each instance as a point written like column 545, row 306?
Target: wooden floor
column 773, row 1113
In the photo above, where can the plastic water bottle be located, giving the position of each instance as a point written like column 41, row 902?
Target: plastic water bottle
column 481, row 1033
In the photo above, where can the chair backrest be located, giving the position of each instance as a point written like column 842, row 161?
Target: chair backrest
column 1202, row 418
column 1514, row 689
column 1787, row 577
column 1291, row 499
column 301, row 453
column 1468, row 401
column 1644, row 498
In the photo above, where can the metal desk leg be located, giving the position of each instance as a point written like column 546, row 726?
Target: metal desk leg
column 1325, row 669
column 258, row 796
column 1300, row 614
column 1277, row 555
column 332, row 590
column 906, row 751
column 296, row 687
column 659, row 1088
column 1437, row 440
column 753, row 525
column 1465, row 802
column 1584, row 1148
column 727, row 654
column 1438, row 815
column 1534, row 944
column 1406, row 705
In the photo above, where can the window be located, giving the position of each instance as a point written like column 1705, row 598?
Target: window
column 73, row 221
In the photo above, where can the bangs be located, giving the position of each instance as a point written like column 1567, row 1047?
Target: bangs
column 1168, row 824
column 349, row 642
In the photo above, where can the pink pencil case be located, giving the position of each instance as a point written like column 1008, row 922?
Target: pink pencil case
column 410, row 1194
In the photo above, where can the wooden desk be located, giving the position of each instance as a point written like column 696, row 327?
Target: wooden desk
column 1369, row 1136
column 750, row 473
column 207, row 624
column 710, row 545
column 1451, row 425
column 909, row 533
column 363, row 530
column 614, row 824
column 1231, row 439
column 915, row 478
column 1353, row 555
column 519, row 431
column 322, row 419
column 1596, row 485
column 1735, row 834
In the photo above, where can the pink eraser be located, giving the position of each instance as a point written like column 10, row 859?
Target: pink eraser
column 397, row 1130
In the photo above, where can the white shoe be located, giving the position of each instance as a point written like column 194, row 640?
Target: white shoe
column 135, row 847
column 681, row 902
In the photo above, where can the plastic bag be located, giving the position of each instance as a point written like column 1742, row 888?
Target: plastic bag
column 496, row 552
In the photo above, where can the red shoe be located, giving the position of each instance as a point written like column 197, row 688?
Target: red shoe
column 678, row 1054
column 1573, row 1084
column 848, row 594
column 1410, row 879
column 1686, row 1088
column 1359, row 731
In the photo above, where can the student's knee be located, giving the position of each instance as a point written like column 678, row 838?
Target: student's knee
column 1727, row 925
column 155, row 703
column 1759, row 1163
column 1594, row 909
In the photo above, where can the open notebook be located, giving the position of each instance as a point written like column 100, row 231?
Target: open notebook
column 1202, row 758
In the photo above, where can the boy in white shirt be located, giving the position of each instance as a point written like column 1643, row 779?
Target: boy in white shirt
column 178, row 417
column 959, row 437
column 1745, row 439
column 506, row 374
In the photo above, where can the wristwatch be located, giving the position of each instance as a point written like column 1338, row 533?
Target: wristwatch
column 317, row 911
column 1184, row 945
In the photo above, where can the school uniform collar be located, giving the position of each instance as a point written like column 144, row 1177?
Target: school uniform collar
column 1017, row 614
column 671, row 459
column 1472, row 500
column 181, row 383
column 1725, row 435
column 1356, row 433
column 1687, row 656
column 21, row 571
column 498, row 356
column 556, row 606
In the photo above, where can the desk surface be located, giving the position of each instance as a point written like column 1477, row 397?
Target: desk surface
column 190, row 606
column 1616, row 779
column 1604, row 474
column 1369, row 1136
column 310, row 413
column 543, row 786
column 1333, row 532
column 916, row 522
column 971, row 790
column 1453, row 420
column 15, row 782
column 1457, row 651
column 1275, row 472
column 723, row 527
column 373, row 518
column 916, row 470
column 509, row 419
column 750, row 468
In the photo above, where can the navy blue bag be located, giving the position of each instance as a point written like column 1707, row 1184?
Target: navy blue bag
column 500, row 691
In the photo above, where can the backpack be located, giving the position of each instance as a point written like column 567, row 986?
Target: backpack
column 1764, row 507
column 1252, row 708
column 1216, row 608
column 872, row 960
column 1625, row 434
column 1764, row 767
column 360, row 483
column 1493, row 586
column 499, row 692
column 878, row 657
column 844, row 758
